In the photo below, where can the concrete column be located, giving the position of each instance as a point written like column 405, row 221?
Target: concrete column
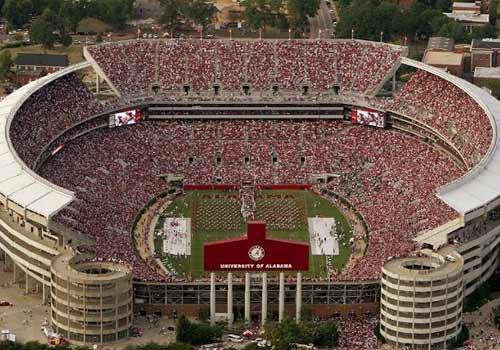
column 8, row 263
column 230, row 316
column 14, row 272
column 281, row 306
column 97, row 83
column 27, row 283
column 394, row 83
column 264, row 299
column 44, row 294
column 298, row 297
column 212, row 297
column 247, row 297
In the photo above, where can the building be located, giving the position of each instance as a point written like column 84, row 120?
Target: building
column 470, row 20
column 439, row 43
column 485, row 53
column 487, row 78
column 449, row 61
column 39, row 61
column 441, row 53
column 468, row 14
column 31, row 66
column 467, row 7
column 421, row 304
column 91, row 302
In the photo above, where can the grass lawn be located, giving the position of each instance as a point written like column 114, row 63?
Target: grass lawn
column 215, row 215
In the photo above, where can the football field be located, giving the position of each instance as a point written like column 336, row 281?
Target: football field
column 216, row 215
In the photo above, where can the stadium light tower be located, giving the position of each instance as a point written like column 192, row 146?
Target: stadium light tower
column 230, row 34
column 320, row 33
column 352, row 34
column 381, row 36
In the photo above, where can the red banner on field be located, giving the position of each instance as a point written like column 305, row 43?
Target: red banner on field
column 256, row 252
column 228, row 187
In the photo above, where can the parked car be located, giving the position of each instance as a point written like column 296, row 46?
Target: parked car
column 234, row 338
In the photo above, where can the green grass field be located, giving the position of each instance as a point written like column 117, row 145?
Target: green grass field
column 216, row 215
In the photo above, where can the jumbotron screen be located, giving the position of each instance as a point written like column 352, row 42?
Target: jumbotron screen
column 368, row 117
column 125, row 118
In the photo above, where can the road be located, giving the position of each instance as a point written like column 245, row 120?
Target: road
column 323, row 21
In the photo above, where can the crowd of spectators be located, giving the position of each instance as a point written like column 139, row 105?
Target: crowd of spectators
column 388, row 181
column 357, row 333
column 48, row 112
column 129, row 65
column 384, row 174
column 261, row 64
column 447, row 109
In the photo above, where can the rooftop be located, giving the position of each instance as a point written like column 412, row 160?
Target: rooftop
column 469, row 17
column 485, row 44
column 441, row 43
column 487, row 72
column 41, row 60
column 439, row 58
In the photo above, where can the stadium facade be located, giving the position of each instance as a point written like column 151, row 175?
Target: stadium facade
column 44, row 253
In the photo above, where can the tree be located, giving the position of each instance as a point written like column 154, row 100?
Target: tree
column 66, row 40
column 199, row 12
column 486, row 31
column 262, row 13
column 453, row 30
column 493, row 11
column 5, row 64
column 72, row 12
column 324, row 335
column 379, row 335
column 17, row 12
column 116, row 12
column 49, row 28
column 42, row 32
column 40, row 5
column 197, row 333
column 170, row 13
column 281, row 335
column 179, row 346
column 252, row 346
column 301, row 10
column 459, row 340
column 443, row 5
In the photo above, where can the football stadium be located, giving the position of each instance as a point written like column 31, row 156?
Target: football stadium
column 252, row 180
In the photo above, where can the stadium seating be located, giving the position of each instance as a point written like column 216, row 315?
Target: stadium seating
column 352, row 65
column 448, row 110
column 382, row 173
column 118, row 175
column 49, row 111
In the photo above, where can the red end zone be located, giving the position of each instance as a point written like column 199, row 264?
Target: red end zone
column 256, row 252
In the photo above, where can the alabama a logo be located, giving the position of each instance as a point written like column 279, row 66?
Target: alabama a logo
column 256, row 253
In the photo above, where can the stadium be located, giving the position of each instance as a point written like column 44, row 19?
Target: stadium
column 119, row 173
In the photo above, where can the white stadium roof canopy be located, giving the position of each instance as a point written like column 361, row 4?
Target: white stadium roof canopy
column 17, row 182
column 481, row 185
